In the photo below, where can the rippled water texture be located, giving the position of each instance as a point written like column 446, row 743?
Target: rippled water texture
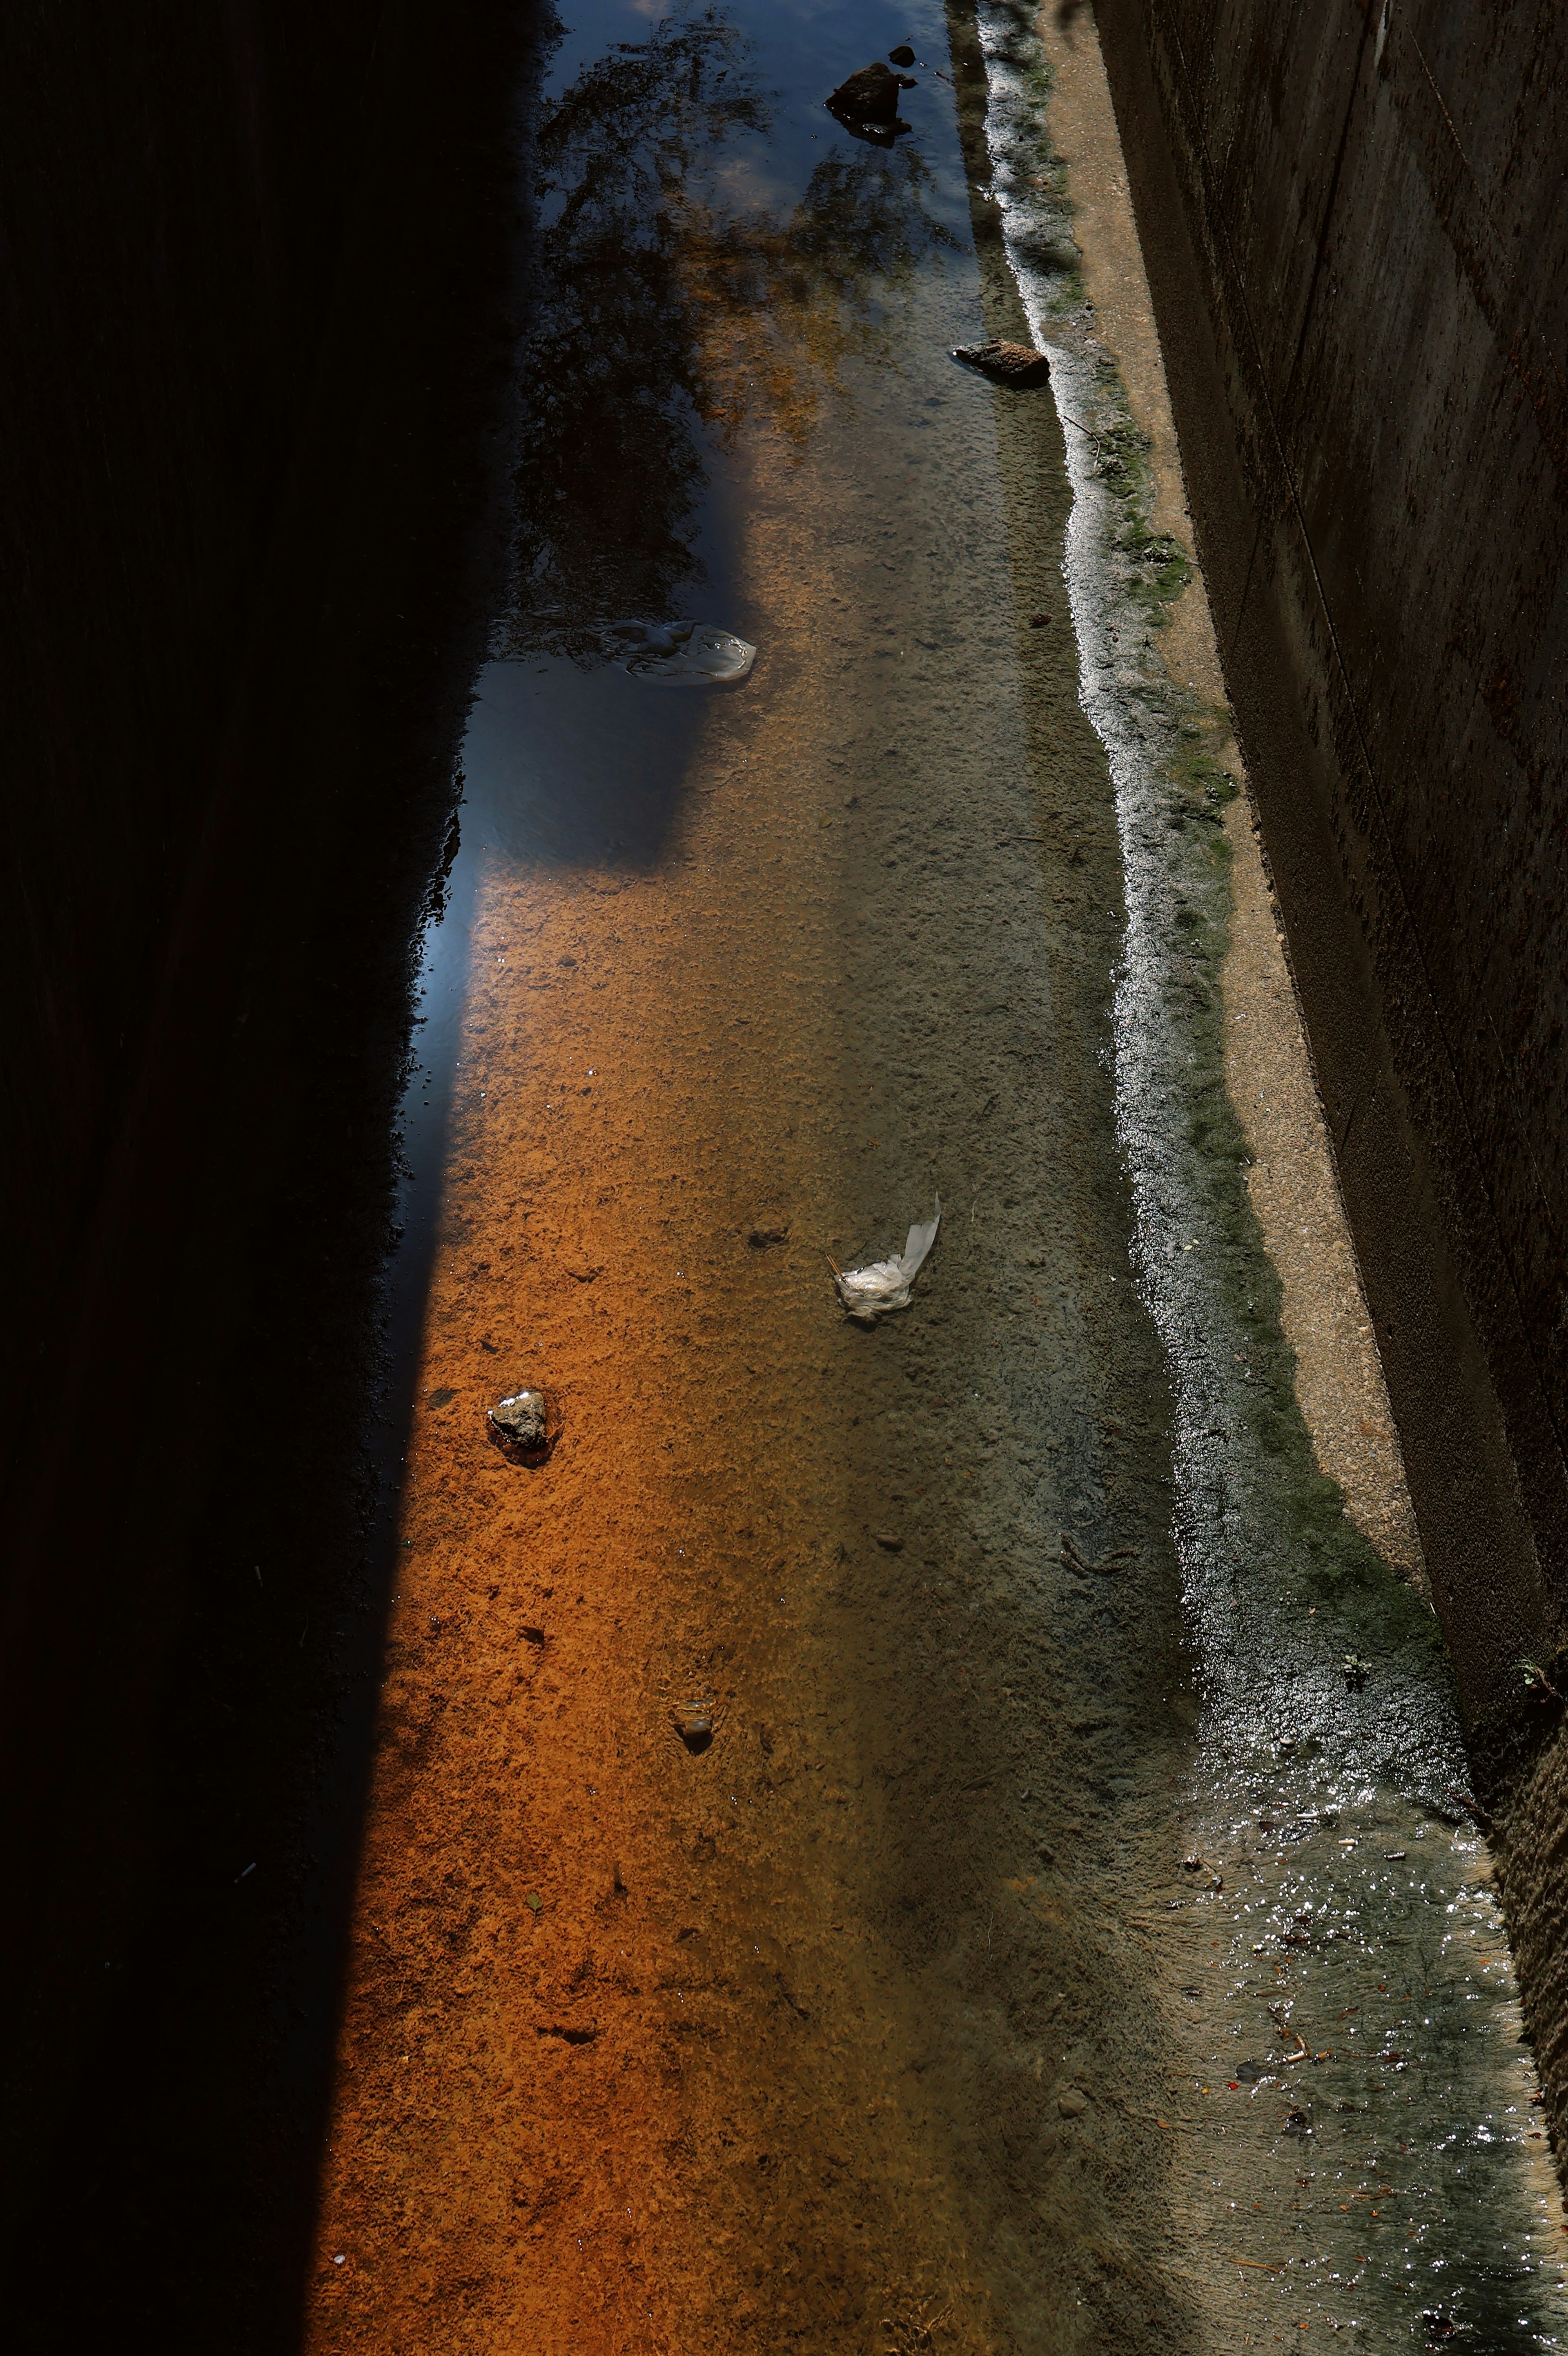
column 1015, row 1824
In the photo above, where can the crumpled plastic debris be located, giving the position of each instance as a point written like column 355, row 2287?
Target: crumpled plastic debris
column 682, row 654
column 868, row 1293
column 1018, row 365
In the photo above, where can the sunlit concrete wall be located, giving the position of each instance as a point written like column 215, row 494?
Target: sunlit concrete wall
column 1355, row 218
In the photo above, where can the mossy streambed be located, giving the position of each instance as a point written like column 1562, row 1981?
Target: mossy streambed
column 1348, row 2096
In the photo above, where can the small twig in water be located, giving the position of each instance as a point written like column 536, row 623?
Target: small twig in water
column 1075, row 1558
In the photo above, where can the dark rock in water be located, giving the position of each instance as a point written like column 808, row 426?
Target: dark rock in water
column 870, row 96
column 1018, row 365
column 903, row 56
column 694, row 1723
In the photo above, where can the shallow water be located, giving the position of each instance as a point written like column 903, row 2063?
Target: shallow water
column 737, row 403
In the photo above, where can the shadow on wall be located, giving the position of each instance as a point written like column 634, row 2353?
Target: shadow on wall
column 173, row 183
column 253, row 477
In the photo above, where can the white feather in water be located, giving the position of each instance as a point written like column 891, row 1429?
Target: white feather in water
column 869, row 1293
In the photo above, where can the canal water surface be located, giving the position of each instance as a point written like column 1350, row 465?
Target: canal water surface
column 1075, row 1935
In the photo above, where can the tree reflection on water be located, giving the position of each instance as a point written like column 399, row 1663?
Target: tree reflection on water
column 666, row 315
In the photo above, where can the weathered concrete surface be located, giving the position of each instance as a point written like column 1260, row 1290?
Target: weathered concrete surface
column 1353, row 222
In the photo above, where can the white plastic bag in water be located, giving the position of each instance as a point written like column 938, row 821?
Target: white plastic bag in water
column 683, row 654
column 868, row 1293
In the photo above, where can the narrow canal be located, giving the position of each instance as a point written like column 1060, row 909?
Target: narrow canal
column 1075, row 1933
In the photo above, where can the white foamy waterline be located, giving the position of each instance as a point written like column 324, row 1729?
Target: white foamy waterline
column 1319, row 1810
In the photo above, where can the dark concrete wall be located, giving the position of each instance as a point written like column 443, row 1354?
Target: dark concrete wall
column 172, row 181
column 1357, row 242
column 260, row 270
column 173, row 185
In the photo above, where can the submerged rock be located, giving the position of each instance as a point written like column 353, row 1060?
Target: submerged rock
column 1018, row 365
column 520, row 1424
column 903, row 56
column 871, row 95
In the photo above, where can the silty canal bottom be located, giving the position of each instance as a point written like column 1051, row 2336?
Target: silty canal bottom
column 1050, row 1948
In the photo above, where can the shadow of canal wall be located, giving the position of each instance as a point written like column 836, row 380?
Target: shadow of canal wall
column 260, row 279
column 174, row 184
column 1353, row 224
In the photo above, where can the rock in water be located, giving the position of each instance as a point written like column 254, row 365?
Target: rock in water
column 903, row 56
column 694, row 1723
column 871, row 95
column 520, row 1421
column 1015, row 364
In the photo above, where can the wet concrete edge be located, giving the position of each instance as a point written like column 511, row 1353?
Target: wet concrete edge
column 1485, row 1474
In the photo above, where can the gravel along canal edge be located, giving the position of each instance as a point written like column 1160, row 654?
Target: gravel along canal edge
column 1356, row 2132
